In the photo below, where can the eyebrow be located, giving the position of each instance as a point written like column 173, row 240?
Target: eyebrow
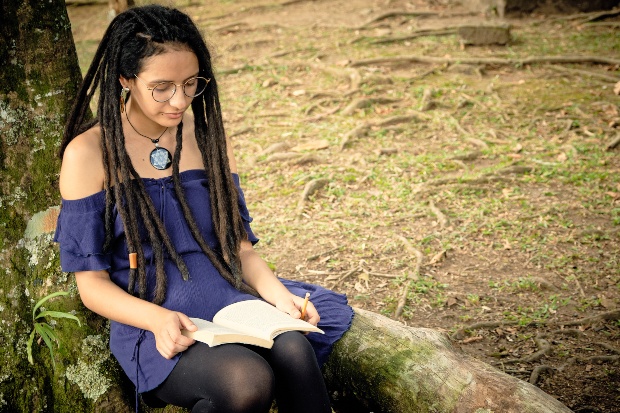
column 170, row 81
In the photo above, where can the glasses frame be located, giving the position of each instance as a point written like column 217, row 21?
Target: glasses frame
column 182, row 85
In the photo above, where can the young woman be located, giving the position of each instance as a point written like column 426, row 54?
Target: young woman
column 147, row 179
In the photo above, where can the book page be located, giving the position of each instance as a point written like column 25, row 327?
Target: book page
column 214, row 335
column 260, row 318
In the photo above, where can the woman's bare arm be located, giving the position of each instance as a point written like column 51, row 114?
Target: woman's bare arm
column 105, row 298
column 82, row 175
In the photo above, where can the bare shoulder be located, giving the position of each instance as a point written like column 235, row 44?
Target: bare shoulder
column 82, row 172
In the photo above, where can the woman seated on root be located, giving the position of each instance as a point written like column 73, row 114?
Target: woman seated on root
column 146, row 177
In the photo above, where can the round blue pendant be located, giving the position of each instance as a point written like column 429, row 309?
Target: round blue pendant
column 161, row 158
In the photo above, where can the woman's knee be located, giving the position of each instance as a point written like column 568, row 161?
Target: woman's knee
column 249, row 385
column 292, row 348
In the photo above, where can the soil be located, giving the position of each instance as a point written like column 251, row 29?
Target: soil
column 487, row 195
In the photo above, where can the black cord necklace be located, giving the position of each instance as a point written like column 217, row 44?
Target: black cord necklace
column 160, row 157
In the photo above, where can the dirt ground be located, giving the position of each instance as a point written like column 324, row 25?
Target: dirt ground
column 480, row 198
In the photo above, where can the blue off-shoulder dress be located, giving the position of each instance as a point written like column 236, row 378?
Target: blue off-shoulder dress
column 80, row 232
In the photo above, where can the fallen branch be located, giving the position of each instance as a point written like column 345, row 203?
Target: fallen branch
column 388, row 367
column 497, row 61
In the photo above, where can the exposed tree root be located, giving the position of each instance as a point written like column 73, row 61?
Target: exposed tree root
column 590, row 17
column 323, row 115
column 609, row 315
column 242, row 131
column 441, row 218
column 497, row 61
column 615, row 142
column 396, row 120
column 338, row 279
column 230, row 27
column 602, row 359
column 544, row 347
column 362, row 130
column 380, row 274
column 253, row 9
column 484, row 179
column 397, row 13
column 357, row 132
column 279, row 157
column 419, row 33
column 416, row 274
column 609, row 347
column 364, row 103
column 569, row 332
column 310, row 188
column 460, row 333
column 579, row 72
column 320, row 254
column 537, row 371
column 319, row 104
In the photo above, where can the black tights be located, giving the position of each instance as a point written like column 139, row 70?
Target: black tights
column 234, row 378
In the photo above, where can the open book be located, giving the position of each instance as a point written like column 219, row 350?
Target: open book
column 250, row 322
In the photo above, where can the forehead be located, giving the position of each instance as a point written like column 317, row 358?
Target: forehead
column 173, row 65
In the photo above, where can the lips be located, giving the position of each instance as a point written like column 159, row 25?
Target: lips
column 178, row 115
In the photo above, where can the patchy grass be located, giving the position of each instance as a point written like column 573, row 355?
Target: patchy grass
column 513, row 158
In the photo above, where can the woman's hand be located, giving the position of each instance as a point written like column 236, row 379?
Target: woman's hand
column 167, row 330
column 292, row 305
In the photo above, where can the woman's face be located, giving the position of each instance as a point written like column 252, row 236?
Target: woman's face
column 176, row 66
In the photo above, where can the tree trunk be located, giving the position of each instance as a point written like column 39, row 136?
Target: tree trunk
column 382, row 366
column 39, row 78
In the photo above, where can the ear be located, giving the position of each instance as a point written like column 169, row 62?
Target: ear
column 124, row 82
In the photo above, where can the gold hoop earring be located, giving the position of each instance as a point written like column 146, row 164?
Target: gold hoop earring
column 124, row 93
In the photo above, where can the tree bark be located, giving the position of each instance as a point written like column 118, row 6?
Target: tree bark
column 39, row 77
column 381, row 365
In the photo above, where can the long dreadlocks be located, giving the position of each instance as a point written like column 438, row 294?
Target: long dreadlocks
column 132, row 37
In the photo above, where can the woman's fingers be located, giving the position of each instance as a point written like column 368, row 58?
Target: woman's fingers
column 169, row 339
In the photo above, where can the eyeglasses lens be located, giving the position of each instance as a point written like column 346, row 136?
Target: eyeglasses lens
column 193, row 87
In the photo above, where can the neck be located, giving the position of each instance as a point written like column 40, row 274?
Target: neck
column 142, row 125
column 153, row 138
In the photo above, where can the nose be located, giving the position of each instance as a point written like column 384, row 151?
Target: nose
column 179, row 100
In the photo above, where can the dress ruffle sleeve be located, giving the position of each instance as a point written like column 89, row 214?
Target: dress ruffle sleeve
column 80, row 231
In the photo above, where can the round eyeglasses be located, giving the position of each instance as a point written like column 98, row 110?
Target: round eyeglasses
column 164, row 91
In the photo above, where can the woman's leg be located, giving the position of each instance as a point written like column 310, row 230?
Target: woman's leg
column 300, row 387
column 228, row 378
